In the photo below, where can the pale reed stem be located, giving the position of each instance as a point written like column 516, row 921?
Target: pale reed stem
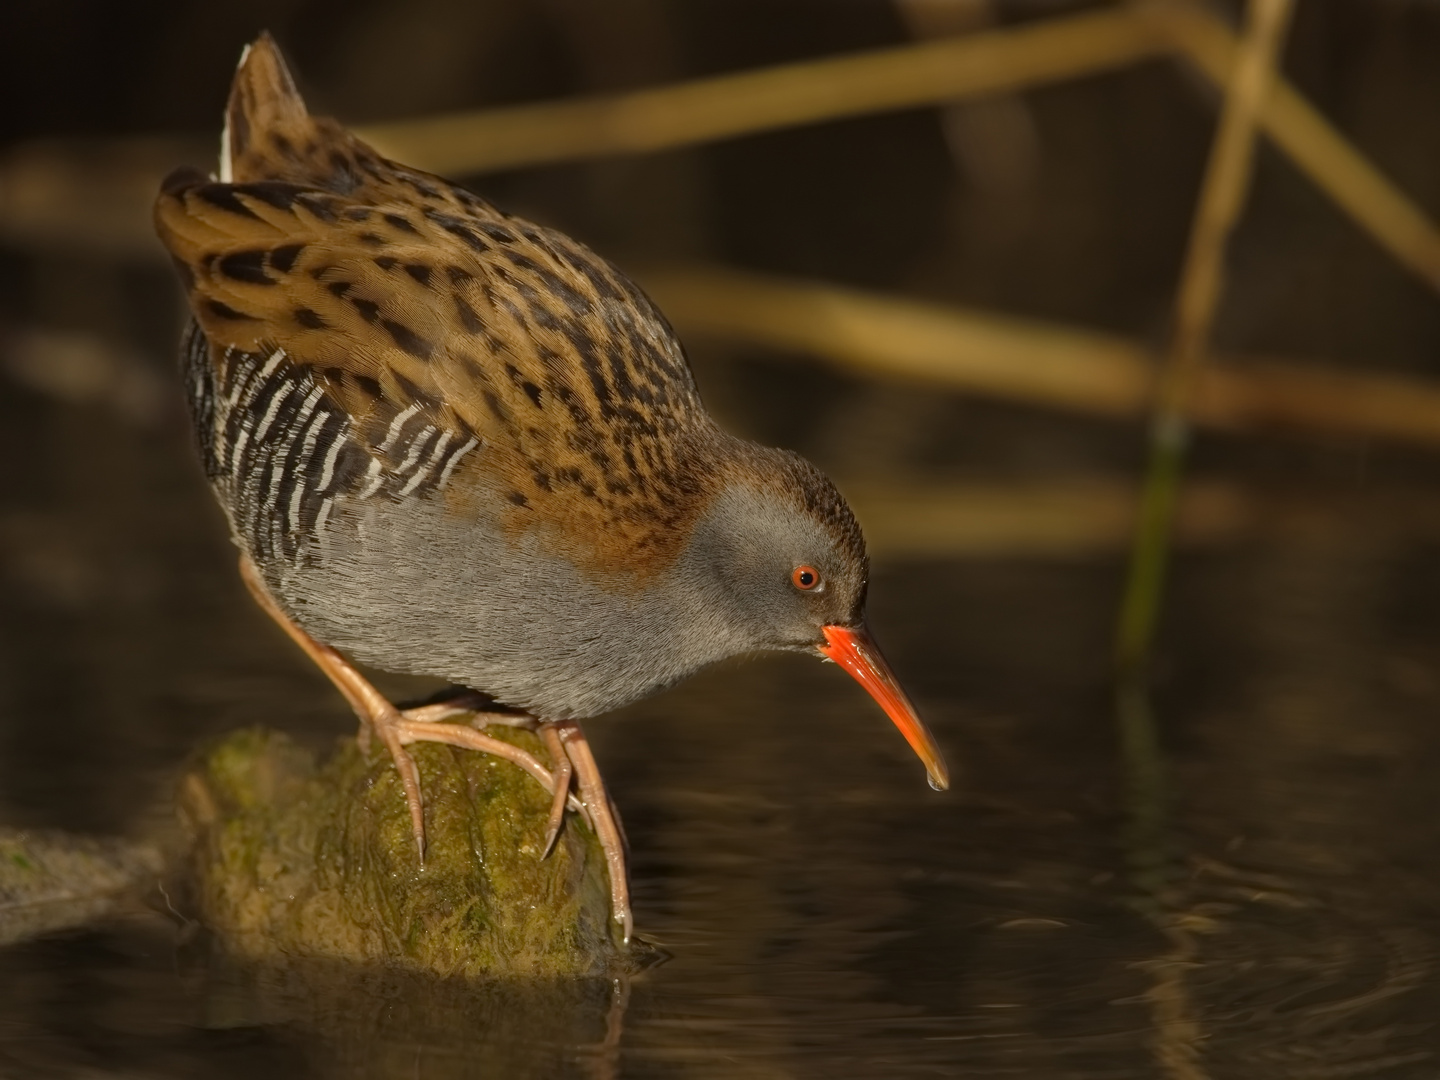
column 1222, row 196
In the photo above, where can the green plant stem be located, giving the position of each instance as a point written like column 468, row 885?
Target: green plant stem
column 1150, row 556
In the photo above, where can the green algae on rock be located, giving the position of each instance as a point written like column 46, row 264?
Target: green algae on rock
column 295, row 860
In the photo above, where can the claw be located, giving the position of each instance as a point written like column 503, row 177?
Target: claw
column 561, row 793
column 597, row 801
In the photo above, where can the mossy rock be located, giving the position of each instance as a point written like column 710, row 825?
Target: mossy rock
column 53, row 881
column 297, row 860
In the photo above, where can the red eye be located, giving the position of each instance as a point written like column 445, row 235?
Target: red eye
column 805, row 577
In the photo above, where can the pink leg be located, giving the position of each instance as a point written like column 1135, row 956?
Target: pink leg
column 379, row 715
column 569, row 750
column 602, row 814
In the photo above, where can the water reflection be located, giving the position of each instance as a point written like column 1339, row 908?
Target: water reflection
column 1262, row 905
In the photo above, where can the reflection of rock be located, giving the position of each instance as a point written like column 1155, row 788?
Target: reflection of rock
column 292, row 861
column 363, row 1021
column 50, row 881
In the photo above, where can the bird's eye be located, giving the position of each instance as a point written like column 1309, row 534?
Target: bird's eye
column 805, row 577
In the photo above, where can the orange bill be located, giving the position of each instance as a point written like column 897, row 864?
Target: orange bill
column 852, row 649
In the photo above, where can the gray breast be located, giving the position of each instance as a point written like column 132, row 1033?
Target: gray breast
column 407, row 587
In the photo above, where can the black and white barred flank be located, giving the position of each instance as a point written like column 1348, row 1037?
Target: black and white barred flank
column 279, row 451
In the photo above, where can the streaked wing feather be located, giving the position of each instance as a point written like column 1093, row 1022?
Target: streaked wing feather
column 484, row 326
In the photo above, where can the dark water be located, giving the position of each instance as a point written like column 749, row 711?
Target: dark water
column 1258, row 899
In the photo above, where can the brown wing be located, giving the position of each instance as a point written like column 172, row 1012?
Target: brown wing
column 407, row 295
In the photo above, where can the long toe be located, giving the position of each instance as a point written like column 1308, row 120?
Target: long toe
column 597, row 801
column 563, row 772
column 409, row 778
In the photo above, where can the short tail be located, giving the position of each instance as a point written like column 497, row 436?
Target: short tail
column 264, row 117
column 270, row 135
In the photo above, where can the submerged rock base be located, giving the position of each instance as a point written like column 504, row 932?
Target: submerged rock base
column 295, row 859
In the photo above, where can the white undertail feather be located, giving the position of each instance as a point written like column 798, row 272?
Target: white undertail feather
column 227, row 172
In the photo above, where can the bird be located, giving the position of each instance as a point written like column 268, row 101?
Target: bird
column 453, row 443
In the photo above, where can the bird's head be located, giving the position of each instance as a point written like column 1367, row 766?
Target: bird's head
column 783, row 562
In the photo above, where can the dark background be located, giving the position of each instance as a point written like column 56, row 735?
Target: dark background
column 827, row 911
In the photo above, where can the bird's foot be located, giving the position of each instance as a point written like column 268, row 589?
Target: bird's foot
column 397, row 730
column 459, row 701
column 571, row 761
column 468, row 738
column 481, row 714
column 570, row 751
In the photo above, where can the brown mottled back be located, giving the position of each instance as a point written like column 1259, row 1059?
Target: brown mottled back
column 397, row 289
